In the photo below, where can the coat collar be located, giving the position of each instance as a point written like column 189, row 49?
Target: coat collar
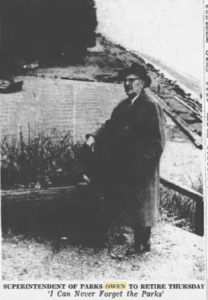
column 138, row 99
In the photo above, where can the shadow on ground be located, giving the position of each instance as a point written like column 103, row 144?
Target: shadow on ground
column 78, row 217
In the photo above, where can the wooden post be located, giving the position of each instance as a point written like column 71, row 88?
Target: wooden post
column 199, row 218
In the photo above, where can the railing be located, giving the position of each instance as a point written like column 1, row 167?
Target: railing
column 197, row 197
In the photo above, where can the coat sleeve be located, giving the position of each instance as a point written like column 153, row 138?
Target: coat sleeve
column 154, row 134
column 102, row 132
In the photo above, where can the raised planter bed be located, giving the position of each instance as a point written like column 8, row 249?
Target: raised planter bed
column 53, row 209
column 65, row 207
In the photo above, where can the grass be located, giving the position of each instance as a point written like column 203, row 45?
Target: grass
column 178, row 209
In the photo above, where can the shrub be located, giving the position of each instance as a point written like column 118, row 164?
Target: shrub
column 45, row 159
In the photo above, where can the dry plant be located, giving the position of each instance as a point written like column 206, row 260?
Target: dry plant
column 53, row 159
column 42, row 159
column 178, row 209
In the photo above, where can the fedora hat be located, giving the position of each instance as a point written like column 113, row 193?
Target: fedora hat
column 138, row 70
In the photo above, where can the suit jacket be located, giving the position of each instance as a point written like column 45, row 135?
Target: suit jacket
column 128, row 150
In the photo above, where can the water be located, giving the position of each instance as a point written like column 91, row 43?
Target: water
column 168, row 33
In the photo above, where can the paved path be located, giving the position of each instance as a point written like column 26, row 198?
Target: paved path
column 62, row 104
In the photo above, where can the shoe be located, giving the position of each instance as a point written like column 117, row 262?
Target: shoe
column 142, row 239
column 146, row 247
column 140, row 248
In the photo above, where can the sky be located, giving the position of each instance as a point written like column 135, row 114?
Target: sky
column 167, row 30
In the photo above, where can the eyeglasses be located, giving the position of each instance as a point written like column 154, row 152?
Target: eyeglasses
column 131, row 80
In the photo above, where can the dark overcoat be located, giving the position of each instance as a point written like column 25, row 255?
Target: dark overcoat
column 128, row 149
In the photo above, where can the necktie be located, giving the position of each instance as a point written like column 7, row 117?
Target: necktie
column 128, row 103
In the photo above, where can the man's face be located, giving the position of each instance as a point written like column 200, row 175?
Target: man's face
column 133, row 85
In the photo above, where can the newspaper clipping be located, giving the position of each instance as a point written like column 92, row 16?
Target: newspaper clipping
column 103, row 149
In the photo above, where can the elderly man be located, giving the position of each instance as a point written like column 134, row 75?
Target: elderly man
column 127, row 151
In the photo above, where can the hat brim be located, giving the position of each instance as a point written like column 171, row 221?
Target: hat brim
column 125, row 72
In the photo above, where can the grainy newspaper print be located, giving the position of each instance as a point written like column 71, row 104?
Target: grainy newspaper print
column 103, row 149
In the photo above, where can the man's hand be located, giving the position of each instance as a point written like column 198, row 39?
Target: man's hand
column 91, row 143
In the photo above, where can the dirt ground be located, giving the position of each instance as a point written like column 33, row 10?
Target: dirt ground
column 175, row 255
